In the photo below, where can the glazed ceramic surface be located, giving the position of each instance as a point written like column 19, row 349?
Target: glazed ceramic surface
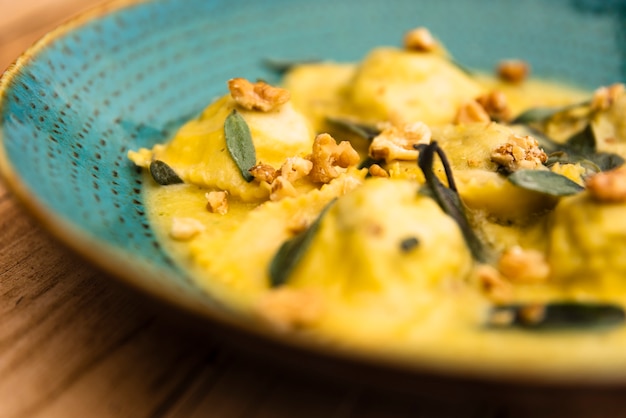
column 127, row 75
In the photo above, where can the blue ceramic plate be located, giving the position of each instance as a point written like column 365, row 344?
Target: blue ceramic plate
column 126, row 75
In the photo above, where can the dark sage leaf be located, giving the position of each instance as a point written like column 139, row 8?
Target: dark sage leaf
column 368, row 162
column 606, row 160
column 292, row 251
column 163, row 174
column 281, row 66
column 544, row 181
column 447, row 197
column 541, row 114
column 557, row 316
column 583, row 142
column 536, row 114
column 239, row 144
column 364, row 131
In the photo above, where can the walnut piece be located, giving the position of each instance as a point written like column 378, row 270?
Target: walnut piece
column 290, row 309
column 496, row 105
column 184, row 229
column 327, row 155
column 217, row 202
column 282, row 188
column 395, row 143
column 471, row 112
column 294, row 168
column 264, row 173
column 513, row 71
column 420, row 39
column 524, row 265
column 608, row 186
column 257, row 96
column 377, row 171
column 532, row 314
column 605, row 96
column 520, row 152
column 493, row 284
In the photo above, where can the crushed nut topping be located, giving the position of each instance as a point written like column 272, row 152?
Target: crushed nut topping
column 496, row 105
column 263, row 172
column 524, row 265
column 184, row 229
column 282, row 188
column 257, row 96
column 532, row 314
column 298, row 224
column 513, row 71
column 493, row 284
column 395, row 143
column 608, row 186
column 377, row 171
column 605, row 96
column 295, row 168
column 327, row 155
column 290, row 309
column 420, row 39
column 471, row 112
column 217, row 202
column 520, row 152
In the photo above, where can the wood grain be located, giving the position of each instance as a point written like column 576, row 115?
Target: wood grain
column 73, row 343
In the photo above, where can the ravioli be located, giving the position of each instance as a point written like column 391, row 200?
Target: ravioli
column 407, row 207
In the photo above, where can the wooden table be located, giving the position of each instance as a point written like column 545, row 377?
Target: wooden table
column 73, row 343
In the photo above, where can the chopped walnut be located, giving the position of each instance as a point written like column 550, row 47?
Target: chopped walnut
column 290, row 309
column 184, row 229
column 297, row 224
column 524, row 266
column 513, row 71
column 493, row 284
column 282, row 188
column 294, row 168
column 377, row 171
column 604, row 97
column 395, row 143
column 520, row 152
column 420, row 39
column 608, row 186
column 471, row 112
column 496, row 106
column 263, row 172
column 327, row 155
column 217, row 202
column 532, row 314
column 257, row 96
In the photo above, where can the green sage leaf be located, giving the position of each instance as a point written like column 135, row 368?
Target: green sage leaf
column 546, row 182
column 583, row 142
column 541, row 114
column 281, row 65
column 448, row 198
column 606, row 160
column 558, row 316
column 363, row 130
column 239, row 143
column 535, row 114
column 163, row 174
column 291, row 252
